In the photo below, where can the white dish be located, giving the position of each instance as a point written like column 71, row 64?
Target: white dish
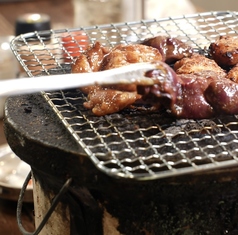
column 13, row 172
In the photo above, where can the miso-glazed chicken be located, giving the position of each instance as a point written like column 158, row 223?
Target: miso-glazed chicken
column 194, row 87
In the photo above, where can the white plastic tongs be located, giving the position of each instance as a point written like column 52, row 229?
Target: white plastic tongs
column 133, row 73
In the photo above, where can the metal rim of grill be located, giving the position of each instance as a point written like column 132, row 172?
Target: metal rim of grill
column 134, row 144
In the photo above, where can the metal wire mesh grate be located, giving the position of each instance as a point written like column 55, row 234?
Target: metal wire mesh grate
column 133, row 143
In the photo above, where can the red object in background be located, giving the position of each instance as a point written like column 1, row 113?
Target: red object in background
column 74, row 43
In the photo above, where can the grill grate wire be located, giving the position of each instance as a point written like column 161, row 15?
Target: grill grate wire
column 135, row 144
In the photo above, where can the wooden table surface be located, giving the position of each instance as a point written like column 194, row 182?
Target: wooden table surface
column 62, row 16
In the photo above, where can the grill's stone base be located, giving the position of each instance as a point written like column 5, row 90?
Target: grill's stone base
column 205, row 203
column 196, row 205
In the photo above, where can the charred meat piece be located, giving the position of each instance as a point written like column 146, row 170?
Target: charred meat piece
column 172, row 49
column 198, row 63
column 225, row 51
column 223, row 96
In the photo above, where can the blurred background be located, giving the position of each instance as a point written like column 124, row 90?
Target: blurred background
column 73, row 13
column 218, row 5
column 76, row 13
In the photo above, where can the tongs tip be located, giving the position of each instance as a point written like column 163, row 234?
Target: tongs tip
column 148, row 73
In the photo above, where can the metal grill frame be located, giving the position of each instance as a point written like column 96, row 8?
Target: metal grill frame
column 141, row 155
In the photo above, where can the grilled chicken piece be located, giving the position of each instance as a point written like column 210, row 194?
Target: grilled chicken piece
column 223, row 96
column 91, row 60
column 233, row 74
column 198, row 89
column 183, row 94
column 98, row 57
column 191, row 102
column 225, row 51
column 122, row 55
column 198, row 63
column 110, row 99
column 172, row 49
column 165, row 90
column 198, row 95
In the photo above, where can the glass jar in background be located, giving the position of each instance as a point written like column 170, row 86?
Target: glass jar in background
column 31, row 22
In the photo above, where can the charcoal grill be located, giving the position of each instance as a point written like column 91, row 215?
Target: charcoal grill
column 133, row 144
column 127, row 152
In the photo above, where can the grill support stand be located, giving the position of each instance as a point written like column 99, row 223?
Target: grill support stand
column 56, row 224
column 48, row 212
